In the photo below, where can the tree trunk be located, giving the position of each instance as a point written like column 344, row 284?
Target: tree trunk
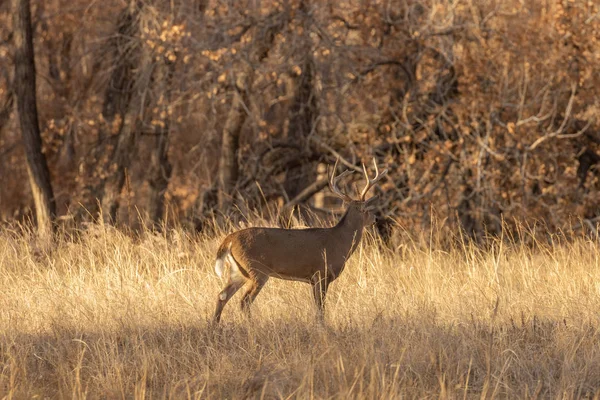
column 116, row 133
column 119, row 113
column 303, row 114
column 303, row 110
column 160, row 167
column 37, row 167
column 120, row 161
column 228, row 163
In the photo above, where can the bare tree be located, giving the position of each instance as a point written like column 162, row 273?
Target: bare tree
column 303, row 111
column 119, row 109
column 160, row 166
column 228, row 165
column 25, row 86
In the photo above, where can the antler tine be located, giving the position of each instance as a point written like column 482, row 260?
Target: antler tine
column 333, row 180
column 371, row 182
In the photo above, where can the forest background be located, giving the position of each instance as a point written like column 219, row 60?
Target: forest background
column 485, row 112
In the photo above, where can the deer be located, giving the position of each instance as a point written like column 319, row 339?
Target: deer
column 249, row 257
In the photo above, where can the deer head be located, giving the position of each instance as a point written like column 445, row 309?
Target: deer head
column 360, row 207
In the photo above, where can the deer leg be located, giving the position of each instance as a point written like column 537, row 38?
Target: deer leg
column 319, row 288
column 251, row 294
column 226, row 294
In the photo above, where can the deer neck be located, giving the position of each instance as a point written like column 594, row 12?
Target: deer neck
column 349, row 228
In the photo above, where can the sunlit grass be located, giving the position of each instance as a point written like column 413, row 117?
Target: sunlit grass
column 109, row 315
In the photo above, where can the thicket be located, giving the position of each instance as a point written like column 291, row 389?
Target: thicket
column 484, row 111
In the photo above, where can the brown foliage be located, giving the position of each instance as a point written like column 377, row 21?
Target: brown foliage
column 483, row 111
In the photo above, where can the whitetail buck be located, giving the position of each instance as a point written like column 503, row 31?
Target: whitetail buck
column 315, row 255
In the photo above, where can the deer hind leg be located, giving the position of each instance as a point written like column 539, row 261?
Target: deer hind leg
column 235, row 282
column 226, row 294
column 253, row 290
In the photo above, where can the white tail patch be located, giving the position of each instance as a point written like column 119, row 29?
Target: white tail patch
column 220, row 267
column 234, row 268
column 227, row 260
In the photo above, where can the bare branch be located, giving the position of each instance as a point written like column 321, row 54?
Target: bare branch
column 308, row 192
column 335, row 153
column 558, row 132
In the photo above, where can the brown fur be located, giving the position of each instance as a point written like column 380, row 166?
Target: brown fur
column 314, row 255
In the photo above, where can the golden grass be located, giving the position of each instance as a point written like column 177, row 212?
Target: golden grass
column 105, row 315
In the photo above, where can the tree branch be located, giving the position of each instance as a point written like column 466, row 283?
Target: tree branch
column 307, row 193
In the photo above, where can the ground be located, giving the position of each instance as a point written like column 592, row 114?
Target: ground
column 105, row 314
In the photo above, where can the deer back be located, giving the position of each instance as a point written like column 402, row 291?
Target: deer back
column 295, row 253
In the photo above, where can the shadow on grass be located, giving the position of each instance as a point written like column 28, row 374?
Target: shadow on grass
column 412, row 355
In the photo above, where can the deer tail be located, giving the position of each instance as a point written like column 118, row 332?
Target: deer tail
column 222, row 253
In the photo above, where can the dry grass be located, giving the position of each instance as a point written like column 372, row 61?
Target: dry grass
column 109, row 316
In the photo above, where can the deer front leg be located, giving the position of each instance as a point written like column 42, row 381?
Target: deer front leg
column 319, row 289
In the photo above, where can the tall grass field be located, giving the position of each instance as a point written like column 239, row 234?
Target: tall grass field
column 106, row 314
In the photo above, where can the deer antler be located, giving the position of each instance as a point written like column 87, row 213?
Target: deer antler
column 333, row 180
column 371, row 182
